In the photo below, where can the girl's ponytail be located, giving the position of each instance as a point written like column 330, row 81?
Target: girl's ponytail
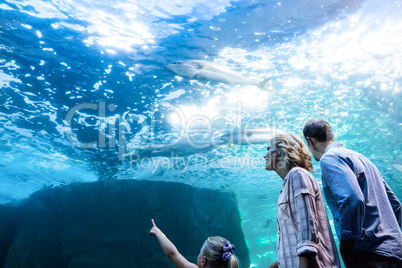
column 233, row 262
column 220, row 253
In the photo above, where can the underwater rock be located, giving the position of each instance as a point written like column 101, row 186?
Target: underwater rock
column 10, row 220
column 106, row 224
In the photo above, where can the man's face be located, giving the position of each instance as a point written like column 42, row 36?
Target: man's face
column 313, row 149
column 270, row 157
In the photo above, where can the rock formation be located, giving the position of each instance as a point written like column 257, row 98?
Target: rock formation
column 106, row 224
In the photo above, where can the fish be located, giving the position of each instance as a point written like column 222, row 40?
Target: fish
column 397, row 165
column 267, row 224
column 249, row 136
column 181, row 148
column 205, row 70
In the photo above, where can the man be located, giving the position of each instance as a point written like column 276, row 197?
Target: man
column 367, row 214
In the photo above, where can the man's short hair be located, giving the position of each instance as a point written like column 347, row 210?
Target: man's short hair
column 318, row 129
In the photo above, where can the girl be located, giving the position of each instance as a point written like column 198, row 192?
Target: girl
column 217, row 252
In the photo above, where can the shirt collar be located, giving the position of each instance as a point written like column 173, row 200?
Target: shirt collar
column 335, row 144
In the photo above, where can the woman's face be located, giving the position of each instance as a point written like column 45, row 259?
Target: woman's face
column 271, row 157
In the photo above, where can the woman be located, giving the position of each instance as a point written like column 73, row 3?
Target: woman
column 304, row 234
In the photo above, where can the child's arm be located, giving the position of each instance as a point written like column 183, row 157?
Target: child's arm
column 170, row 249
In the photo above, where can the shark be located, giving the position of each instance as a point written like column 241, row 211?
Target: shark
column 397, row 165
column 187, row 147
column 184, row 147
column 249, row 136
column 205, row 70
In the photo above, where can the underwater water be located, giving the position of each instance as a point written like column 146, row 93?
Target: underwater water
column 85, row 94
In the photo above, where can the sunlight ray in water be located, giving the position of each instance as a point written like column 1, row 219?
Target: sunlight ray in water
column 124, row 24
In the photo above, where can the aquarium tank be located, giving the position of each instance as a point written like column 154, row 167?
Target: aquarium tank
column 116, row 112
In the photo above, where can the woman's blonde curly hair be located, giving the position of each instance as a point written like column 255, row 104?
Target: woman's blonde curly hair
column 291, row 152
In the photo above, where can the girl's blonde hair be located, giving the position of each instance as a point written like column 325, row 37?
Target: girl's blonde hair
column 291, row 152
column 213, row 251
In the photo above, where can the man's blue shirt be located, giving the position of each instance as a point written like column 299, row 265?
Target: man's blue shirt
column 363, row 206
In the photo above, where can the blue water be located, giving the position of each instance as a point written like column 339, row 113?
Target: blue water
column 83, row 83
